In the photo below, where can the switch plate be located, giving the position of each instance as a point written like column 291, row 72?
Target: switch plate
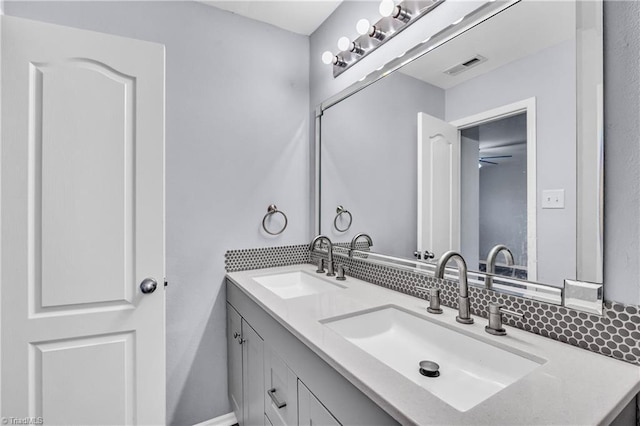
column 553, row 199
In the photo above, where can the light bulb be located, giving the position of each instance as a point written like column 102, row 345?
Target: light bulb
column 386, row 7
column 327, row 57
column 363, row 26
column 344, row 44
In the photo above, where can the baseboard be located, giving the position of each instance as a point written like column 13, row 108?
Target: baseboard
column 224, row 420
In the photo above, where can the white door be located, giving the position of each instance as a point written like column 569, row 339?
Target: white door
column 82, row 225
column 438, row 185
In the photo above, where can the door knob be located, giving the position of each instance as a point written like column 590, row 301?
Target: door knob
column 148, row 285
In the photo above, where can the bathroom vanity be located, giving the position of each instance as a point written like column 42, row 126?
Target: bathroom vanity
column 308, row 349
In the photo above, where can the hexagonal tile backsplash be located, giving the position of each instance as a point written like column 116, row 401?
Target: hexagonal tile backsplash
column 615, row 334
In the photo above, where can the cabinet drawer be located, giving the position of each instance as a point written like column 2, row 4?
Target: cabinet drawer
column 280, row 392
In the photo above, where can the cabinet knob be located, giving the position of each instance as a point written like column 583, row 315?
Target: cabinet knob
column 238, row 337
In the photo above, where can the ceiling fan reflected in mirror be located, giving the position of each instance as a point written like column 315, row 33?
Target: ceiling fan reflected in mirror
column 485, row 159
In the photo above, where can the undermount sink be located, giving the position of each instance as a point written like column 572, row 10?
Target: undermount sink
column 471, row 370
column 296, row 284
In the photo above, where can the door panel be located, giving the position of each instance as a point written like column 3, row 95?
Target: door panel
column 105, row 393
column 85, row 149
column 252, row 376
column 234, row 361
column 438, row 185
column 82, row 224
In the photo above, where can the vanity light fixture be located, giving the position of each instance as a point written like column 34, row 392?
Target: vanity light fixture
column 339, row 61
column 330, row 58
column 389, row 8
column 356, row 48
column 386, row 7
column 395, row 18
column 401, row 14
column 362, row 27
column 344, row 43
column 327, row 57
column 377, row 33
column 365, row 28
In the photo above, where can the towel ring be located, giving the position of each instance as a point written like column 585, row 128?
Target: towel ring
column 340, row 211
column 271, row 210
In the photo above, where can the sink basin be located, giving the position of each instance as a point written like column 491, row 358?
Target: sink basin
column 296, row 284
column 471, row 370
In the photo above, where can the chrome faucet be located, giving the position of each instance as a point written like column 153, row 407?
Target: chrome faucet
column 330, row 272
column 355, row 240
column 491, row 262
column 464, row 309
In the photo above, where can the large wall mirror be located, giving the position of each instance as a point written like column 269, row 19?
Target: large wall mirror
column 491, row 136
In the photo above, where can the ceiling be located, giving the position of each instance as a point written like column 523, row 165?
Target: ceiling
column 298, row 16
column 521, row 30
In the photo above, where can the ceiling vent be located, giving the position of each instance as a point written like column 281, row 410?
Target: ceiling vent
column 466, row 65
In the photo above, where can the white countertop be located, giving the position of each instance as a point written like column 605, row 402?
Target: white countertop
column 573, row 387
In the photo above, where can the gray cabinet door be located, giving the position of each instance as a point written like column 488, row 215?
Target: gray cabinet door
column 310, row 411
column 281, row 390
column 252, row 376
column 234, row 361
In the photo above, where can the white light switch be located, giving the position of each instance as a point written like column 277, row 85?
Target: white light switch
column 553, row 199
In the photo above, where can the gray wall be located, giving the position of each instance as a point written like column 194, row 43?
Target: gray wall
column 503, row 208
column 369, row 151
column 549, row 76
column 236, row 141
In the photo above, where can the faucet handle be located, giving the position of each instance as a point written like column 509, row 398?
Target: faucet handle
column 340, row 269
column 495, row 319
column 417, row 254
column 433, row 295
column 320, row 269
column 434, row 301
